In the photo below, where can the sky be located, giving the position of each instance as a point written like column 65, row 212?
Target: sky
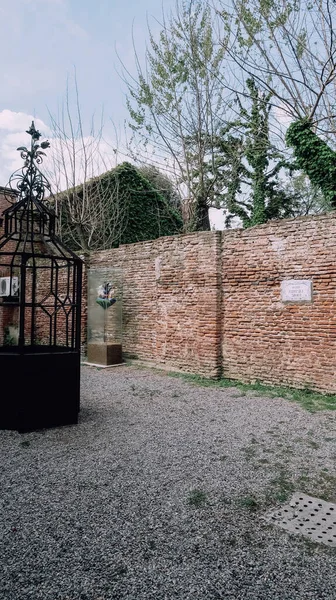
column 42, row 42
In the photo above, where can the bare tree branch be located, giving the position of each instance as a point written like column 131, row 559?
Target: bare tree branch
column 91, row 213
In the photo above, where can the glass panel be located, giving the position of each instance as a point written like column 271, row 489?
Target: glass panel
column 9, row 304
column 105, row 305
column 47, row 308
column 9, row 325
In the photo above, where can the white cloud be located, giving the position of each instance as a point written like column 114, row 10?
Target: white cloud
column 19, row 121
column 13, row 126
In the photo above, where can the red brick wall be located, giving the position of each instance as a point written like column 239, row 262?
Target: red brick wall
column 210, row 302
column 84, row 306
column 171, row 297
column 3, row 204
column 9, row 316
column 2, row 200
column 264, row 338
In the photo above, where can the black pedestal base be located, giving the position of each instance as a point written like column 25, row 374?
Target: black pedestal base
column 39, row 388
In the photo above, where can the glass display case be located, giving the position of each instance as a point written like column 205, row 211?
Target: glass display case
column 105, row 316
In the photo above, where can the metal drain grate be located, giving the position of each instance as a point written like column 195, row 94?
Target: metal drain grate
column 311, row 517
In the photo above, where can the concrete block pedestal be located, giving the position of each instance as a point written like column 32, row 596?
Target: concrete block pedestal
column 104, row 353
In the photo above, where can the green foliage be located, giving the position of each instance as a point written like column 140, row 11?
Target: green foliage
column 197, row 498
column 258, row 152
column 183, row 105
column 247, row 165
column 249, row 502
column 310, row 400
column 149, row 215
column 289, row 46
column 254, row 18
column 267, row 198
column 142, row 212
column 162, row 184
column 178, row 104
column 314, row 157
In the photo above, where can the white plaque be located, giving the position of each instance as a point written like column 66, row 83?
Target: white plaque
column 296, row 290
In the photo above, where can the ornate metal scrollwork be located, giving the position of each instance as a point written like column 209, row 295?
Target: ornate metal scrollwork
column 28, row 182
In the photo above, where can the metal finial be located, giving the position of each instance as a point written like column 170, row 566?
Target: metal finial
column 29, row 182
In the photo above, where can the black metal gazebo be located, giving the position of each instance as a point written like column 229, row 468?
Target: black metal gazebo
column 40, row 306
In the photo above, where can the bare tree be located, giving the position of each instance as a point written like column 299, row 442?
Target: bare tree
column 289, row 47
column 307, row 198
column 90, row 208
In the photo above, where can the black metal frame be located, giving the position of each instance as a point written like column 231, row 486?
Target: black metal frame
column 48, row 302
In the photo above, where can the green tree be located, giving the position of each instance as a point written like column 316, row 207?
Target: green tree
column 149, row 215
column 247, row 165
column 315, row 157
column 290, row 49
column 162, row 183
column 179, row 99
column 267, row 199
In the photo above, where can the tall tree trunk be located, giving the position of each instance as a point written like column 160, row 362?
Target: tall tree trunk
column 201, row 220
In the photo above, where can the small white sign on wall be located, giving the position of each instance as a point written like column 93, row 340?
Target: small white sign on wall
column 296, row 290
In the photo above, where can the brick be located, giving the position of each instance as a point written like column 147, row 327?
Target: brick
column 216, row 307
column 209, row 302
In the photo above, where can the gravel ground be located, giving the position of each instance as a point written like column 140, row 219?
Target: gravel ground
column 158, row 493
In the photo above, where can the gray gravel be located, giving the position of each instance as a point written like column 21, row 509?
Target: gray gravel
column 158, row 493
